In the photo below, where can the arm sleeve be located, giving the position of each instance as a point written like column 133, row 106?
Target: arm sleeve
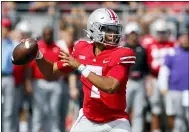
column 62, row 68
column 119, row 72
column 128, row 58
column 124, row 62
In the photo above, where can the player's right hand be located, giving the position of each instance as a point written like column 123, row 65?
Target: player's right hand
column 69, row 60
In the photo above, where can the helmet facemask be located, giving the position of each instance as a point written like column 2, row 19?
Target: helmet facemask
column 105, row 33
column 162, row 36
column 111, row 33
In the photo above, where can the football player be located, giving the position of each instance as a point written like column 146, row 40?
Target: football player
column 173, row 84
column 104, row 68
column 137, row 77
column 156, row 51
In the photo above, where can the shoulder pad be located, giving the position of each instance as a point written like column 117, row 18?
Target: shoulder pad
column 80, row 45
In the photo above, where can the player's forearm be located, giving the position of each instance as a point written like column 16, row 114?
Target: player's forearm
column 47, row 68
column 106, row 84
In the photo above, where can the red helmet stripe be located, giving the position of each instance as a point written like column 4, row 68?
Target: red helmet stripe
column 112, row 13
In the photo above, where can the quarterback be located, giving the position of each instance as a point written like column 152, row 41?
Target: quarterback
column 104, row 68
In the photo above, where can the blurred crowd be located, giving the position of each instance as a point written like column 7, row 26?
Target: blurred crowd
column 157, row 89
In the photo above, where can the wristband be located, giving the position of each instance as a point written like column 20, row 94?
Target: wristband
column 39, row 55
column 83, row 70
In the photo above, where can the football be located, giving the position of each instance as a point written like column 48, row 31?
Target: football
column 25, row 51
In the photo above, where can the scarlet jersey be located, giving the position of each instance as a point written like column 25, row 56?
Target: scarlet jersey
column 156, row 53
column 99, row 106
column 18, row 72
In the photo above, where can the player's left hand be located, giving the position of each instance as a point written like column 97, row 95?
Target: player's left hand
column 69, row 60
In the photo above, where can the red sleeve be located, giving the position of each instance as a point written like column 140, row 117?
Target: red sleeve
column 128, row 57
column 78, row 46
column 119, row 72
column 62, row 68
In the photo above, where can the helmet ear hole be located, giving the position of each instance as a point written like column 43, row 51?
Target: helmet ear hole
column 91, row 31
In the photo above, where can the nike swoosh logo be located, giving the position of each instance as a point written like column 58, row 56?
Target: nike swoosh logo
column 105, row 61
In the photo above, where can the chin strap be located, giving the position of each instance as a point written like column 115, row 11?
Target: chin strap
column 95, row 36
column 89, row 35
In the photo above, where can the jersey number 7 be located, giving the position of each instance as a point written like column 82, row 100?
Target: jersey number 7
column 98, row 70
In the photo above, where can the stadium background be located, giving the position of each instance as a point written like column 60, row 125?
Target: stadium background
column 60, row 14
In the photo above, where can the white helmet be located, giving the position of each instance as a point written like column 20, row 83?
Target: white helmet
column 132, row 27
column 23, row 26
column 159, row 25
column 100, row 23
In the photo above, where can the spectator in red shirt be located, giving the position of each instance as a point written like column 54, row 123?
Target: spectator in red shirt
column 47, row 94
column 156, row 52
